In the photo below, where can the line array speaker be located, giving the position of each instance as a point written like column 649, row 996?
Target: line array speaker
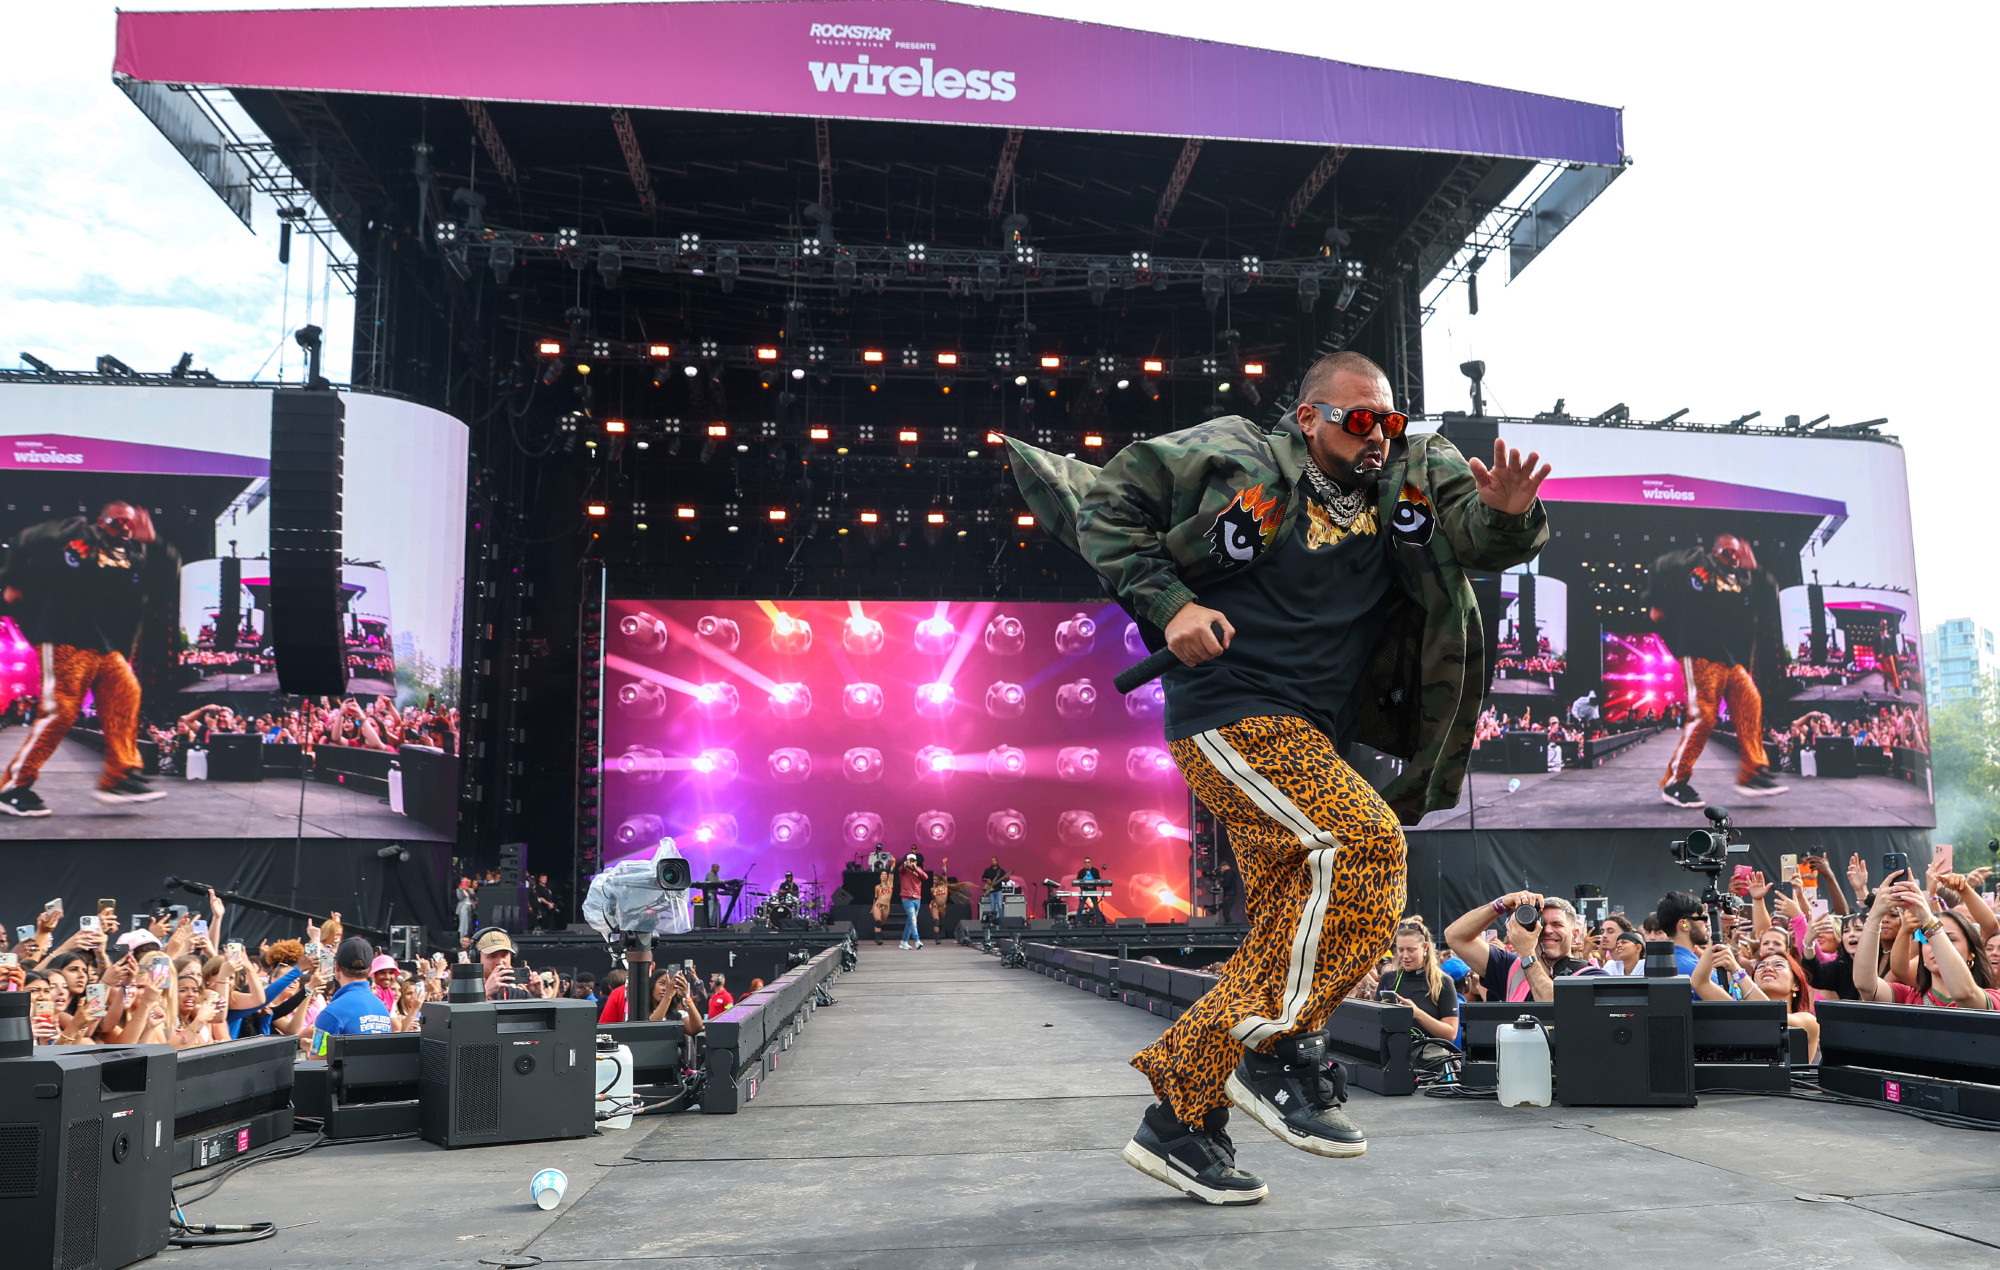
column 308, row 440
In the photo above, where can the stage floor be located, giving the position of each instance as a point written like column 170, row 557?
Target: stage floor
column 1625, row 794
column 197, row 809
column 949, row 1113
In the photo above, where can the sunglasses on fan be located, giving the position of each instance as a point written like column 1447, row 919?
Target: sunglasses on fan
column 1359, row 421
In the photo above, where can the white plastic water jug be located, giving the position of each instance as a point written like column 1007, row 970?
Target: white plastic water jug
column 1526, row 1073
column 614, row 1086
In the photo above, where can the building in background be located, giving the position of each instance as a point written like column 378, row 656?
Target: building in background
column 1956, row 654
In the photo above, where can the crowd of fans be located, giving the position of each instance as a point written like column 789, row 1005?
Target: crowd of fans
column 174, row 979
column 379, row 725
column 1889, row 727
column 1934, row 941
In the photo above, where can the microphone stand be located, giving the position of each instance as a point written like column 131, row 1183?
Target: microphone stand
column 283, row 910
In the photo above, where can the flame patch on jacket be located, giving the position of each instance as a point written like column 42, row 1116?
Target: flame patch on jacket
column 1415, row 519
column 1323, row 530
column 1245, row 527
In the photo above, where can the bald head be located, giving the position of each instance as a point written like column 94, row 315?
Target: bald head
column 1320, row 378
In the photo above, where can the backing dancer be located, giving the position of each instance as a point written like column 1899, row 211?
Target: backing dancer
column 1299, row 577
column 78, row 588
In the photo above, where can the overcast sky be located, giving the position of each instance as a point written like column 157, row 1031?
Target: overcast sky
column 1790, row 238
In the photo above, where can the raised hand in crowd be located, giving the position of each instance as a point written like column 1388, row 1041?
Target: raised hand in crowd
column 1857, row 876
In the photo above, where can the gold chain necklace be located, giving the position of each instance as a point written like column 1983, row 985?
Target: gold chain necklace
column 1342, row 506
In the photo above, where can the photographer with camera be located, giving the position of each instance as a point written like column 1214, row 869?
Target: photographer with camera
column 1538, row 933
column 1697, row 954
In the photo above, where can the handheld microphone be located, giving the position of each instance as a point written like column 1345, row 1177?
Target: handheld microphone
column 1154, row 666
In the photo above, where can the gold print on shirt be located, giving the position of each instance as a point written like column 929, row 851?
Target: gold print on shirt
column 1321, row 531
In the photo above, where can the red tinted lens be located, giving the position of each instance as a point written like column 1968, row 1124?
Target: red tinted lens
column 1361, row 422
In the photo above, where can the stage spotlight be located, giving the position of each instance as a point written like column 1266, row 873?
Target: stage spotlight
column 643, row 699
column 1006, row 828
column 718, row 700
column 1093, row 441
column 820, row 432
column 1051, row 362
column 500, row 259
column 1076, row 636
column 1079, row 829
column 871, row 518
column 1148, row 762
column 790, row 765
column 643, row 632
column 642, row 763
column 1144, row 827
column 1006, row 763
column 947, row 359
column 934, row 518
column 1146, row 701
column 791, row 700
column 609, row 265
column 933, row 763
column 719, row 631
column 615, row 427
column 1124, row 384
column 936, row 828
column 1005, row 636
column 861, row 829
column 1253, row 370
column 691, row 370
column 640, row 831
column 1135, row 644
column 717, row 830
column 1152, row 389
column 549, row 348
column 553, row 371
column 862, row 765
column 861, row 700
column 1077, row 762
column 791, row 635
column 936, row 636
column 596, row 511
column 861, row 635
column 1077, row 699
column 996, row 438
column 934, row 700
column 791, row 829
column 1024, row 521
column 683, row 513
column 1006, row 700
column 716, row 763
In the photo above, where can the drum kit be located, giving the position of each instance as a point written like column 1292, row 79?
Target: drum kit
column 808, row 904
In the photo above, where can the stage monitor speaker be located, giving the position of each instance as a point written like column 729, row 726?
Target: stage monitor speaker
column 1934, row 1060
column 513, row 860
column 500, row 904
column 365, row 1086
column 1742, row 1045
column 308, row 439
column 231, row 1098
column 235, row 757
column 1834, row 756
column 508, row 1071
column 229, row 610
column 86, row 1150
column 1624, row 1042
column 1479, row 1023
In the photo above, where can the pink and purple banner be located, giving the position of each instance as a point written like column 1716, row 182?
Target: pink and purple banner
column 55, row 453
column 922, row 61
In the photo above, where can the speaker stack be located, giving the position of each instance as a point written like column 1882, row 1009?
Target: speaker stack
column 506, row 1071
column 308, row 438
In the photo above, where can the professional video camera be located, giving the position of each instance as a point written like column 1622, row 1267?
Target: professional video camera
column 647, row 896
column 1707, row 851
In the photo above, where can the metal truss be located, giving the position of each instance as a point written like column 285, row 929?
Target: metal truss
column 270, row 177
column 635, row 159
column 1492, row 237
column 905, row 267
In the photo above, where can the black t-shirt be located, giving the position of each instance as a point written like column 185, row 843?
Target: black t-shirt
column 1836, row 976
column 1305, row 621
column 80, row 589
column 1413, row 986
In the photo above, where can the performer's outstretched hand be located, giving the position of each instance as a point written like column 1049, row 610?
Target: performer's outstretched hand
column 1511, row 483
column 1190, row 638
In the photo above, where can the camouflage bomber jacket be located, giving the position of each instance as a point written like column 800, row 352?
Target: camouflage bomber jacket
column 1167, row 515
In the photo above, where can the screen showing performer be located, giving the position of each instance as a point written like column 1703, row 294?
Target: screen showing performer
column 138, row 685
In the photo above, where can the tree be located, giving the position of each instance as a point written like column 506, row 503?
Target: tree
column 1965, row 769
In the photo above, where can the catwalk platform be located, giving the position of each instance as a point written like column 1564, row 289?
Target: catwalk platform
column 952, row 1113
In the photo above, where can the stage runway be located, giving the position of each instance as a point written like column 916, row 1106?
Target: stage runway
column 1625, row 794
column 196, row 809
column 949, row 1113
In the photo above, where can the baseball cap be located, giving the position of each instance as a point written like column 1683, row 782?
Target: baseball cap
column 1454, row 968
column 133, row 941
column 354, row 954
column 383, row 961
column 494, row 941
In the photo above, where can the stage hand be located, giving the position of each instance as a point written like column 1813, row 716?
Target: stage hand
column 1190, row 638
column 1511, row 483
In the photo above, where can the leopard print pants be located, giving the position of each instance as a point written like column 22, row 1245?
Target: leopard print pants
column 1322, row 861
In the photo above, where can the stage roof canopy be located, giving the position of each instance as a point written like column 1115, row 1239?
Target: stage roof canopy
column 917, row 61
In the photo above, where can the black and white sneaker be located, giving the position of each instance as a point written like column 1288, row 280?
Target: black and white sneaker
column 1295, row 1094
column 1760, row 786
column 23, row 801
column 132, row 789
column 1199, row 1161
column 1681, row 794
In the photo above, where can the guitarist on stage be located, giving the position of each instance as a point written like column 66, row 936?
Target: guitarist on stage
column 1311, row 581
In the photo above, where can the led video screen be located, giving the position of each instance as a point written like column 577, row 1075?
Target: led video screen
column 137, row 530
column 771, row 736
column 1692, row 581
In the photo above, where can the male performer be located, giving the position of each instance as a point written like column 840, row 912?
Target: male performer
column 78, row 588
column 787, row 897
column 1329, row 609
column 992, row 883
column 1088, row 901
column 1719, row 612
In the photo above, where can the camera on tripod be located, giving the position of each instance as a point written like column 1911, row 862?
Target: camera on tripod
column 1707, row 850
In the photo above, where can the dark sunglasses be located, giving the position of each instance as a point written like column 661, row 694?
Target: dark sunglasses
column 1360, row 420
